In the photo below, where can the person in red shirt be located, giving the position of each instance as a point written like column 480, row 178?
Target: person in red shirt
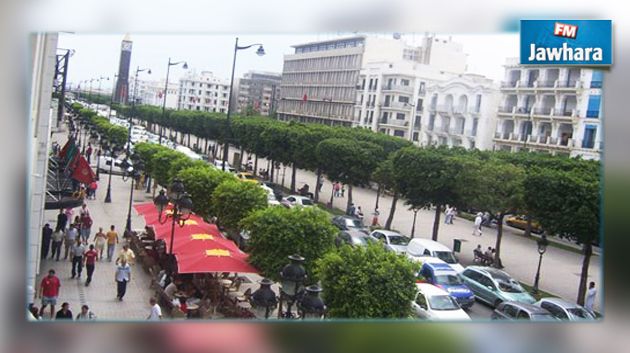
column 89, row 259
column 49, row 291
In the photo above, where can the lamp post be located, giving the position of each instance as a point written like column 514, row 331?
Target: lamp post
column 133, row 106
column 264, row 297
column 260, row 52
column 100, row 81
column 131, row 170
column 108, row 196
column 168, row 69
column 293, row 276
column 542, row 248
column 90, row 91
column 182, row 206
column 311, row 306
column 98, row 164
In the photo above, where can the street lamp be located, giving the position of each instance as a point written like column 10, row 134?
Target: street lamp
column 311, row 306
column 260, row 52
column 112, row 158
column 542, row 248
column 90, row 91
column 168, row 69
column 100, row 81
column 182, row 207
column 131, row 170
column 264, row 297
column 133, row 106
column 293, row 276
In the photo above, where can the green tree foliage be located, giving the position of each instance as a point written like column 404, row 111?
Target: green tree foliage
column 568, row 203
column 200, row 182
column 161, row 165
column 367, row 282
column 233, row 200
column 384, row 176
column 277, row 232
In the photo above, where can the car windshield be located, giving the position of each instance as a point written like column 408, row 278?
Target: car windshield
column 510, row 287
column 580, row 314
column 398, row 240
column 543, row 317
column 446, row 256
column 307, row 202
column 353, row 223
column 448, row 280
column 443, row 302
column 360, row 240
column 250, row 177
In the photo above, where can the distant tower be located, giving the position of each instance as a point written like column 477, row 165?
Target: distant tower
column 122, row 84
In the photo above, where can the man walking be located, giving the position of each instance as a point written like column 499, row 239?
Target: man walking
column 46, row 238
column 71, row 237
column 64, row 313
column 86, row 223
column 77, row 258
column 100, row 239
column 477, row 228
column 62, row 220
column 49, row 291
column 126, row 254
column 90, row 258
column 122, row 276
column 156, row 311
column 57, row 241
column 590, row 298
column 112, row 240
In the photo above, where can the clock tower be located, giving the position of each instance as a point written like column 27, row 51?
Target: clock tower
column 122, row 83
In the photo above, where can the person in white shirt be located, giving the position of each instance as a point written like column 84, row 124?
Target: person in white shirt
column 156, row 311
column 590, row 297
column 477, row 228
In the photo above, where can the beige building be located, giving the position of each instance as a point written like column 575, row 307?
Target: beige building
column 259, row 91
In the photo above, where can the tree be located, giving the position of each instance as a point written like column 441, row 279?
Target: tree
column 277, row 232
column 161, row 165
column 425, row 177
column 384, row 176
column 200, row 182
column 367, row 282
column 233, row 200
column 567, row 202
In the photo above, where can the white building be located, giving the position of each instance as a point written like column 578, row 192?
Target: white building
column 260, row 91
column 152, row 93
column 554, row 110
column 203, row 92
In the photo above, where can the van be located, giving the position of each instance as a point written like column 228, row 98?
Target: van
column 420, row 248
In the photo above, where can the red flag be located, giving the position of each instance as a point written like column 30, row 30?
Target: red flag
column 83, row 172
column 305, row 97
column 64, row 150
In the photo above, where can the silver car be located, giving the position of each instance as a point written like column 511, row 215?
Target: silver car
column 521, row 311
column 392, row 241
column 564, row 310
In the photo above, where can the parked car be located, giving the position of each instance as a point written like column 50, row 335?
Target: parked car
column 247, row 177
column 296, row 200
column 494, row 286
column 391, row 240
column 520, row 222
column 271, row 197
column 353, row 237
column 219, row 165
column 564, row 310
column 521, row 311
column 277, row 189
column 420, row 248
column 349, row 223
column 433, row 303
column 105, row 162
column 442, row 275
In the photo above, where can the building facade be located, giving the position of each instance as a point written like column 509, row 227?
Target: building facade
column 259, row 91
column 203, row 92
column 121, row 94
column 152, row 93
column 554, row 110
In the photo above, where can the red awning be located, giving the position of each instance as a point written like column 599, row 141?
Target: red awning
column 213, row 260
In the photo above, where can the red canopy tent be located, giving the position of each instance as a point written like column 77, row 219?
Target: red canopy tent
column 213, row 260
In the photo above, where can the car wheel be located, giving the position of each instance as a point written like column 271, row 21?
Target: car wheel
column 497, row 302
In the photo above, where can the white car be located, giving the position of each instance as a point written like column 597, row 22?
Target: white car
column 433, row 303
column 271, row 198
column 188, row 152
column 219, row 165
column 297, row 200
column 419, row 249
column 105, row 162
column 391, row 240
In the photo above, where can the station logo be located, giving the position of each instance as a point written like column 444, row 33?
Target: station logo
column 566, row 42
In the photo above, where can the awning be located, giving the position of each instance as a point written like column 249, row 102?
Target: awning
column 213, row 260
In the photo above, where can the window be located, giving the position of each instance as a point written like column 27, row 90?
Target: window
column 421, row 301
column 486, row 282
column 403, row 99
column 594, row 102
column 554, row 310
column 596, row 79
column 522, row 315
column 478, row 103
column 415, row 136
column 426, row 252
column 400, row 116
column 404, row 82
column 399, row 133
column 589, row 136
column 509, row 310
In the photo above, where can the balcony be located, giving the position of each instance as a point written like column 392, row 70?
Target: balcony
column 572, row 84
column 394, row 122
column 544, row 111
column 524, row 84
column 507, row 110
column 456, row 130
column 502, row 135
column 459, row 111
column 546, row 84
column 523, row 110
column 471, row 133
column 564, row 114
column 398, row 88
column 444, row 109
column 397, row 106
column 509, row 84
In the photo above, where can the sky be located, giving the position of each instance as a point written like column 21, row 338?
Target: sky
column 97, row 55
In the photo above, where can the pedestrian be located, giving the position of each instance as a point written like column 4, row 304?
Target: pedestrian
column 46, row 238
column 99, row 240
column 64, row 313
column 477, row 228
column 351, row 210
column 336, row 188
column 71, row 237
column 590, row 298
column 93, row 186
column 35, row 313
column 88, row 153
column 77, row 258
column 112, row 240
column 49, row 291
column 343, row 190
column 453, row 214
column 86, row 314
column 62, row 220
column 126, row 254
column 86, row 223
column 320, row 186
column 358, row 213
column 447, row 214
column 57, row 240
column 375, row 217
column 69, row 212
column 156, row 311
column 89, row 259
column 489, row 254
column 122, row 277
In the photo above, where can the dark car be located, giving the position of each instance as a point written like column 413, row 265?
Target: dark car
column 277, row 189
column 352, row 238
column 521, row 311
column 349, row 223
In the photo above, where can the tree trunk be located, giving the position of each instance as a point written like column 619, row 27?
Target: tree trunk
column 436, row 221
column 188, row 144
column 413, row 227
column 378, row 196
column 528, row 227
column 293, row 173
column 330, row 203
column 197, row 143
column 390, row 218
column 273, row 169
column 256, row 165
column 317, row 182
column 497, row 247
column 588, row 252
column 240, row 159
column 205, row 150
column 349, row 197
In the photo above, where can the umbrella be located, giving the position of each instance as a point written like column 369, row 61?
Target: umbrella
column 213, row 260
column 196, row 242
column 148, row 207
column 190, row 227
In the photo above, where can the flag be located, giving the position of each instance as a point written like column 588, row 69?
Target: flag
column 82, row 172
column 64, row 150
column 305, row 98
column 69, row 157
